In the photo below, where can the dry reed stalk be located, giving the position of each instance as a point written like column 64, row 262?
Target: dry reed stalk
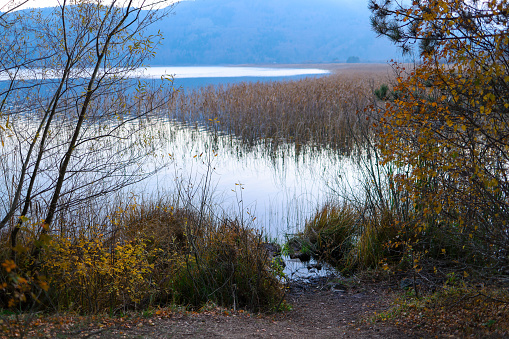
column 321, row 111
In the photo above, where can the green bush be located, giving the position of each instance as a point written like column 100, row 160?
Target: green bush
column 229, row 266
column 331, row 233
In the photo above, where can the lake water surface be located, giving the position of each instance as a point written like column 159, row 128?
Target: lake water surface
column 272, row 186
column 275, row 187
column 281, row 186
column 278, row 188
column 186, row 78
column 227, row 72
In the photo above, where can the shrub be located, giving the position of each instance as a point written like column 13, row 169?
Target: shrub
column 151, row 255
column 89, row 276
column 353, row 60
column 382, row 92
column 344, row 237
column 229, row 266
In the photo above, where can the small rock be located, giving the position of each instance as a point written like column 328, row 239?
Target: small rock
column 301, row 256
column 316, row 266
column 336, row 286
column 409, row 283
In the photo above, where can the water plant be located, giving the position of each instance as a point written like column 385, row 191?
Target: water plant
column 319, row 111
column 332, row 233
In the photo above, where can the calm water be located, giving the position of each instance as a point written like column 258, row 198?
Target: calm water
column 273, row 188
column 227, row 72
column 276, row 189
column 211, row 73
column 279, row 187
column 185, row 78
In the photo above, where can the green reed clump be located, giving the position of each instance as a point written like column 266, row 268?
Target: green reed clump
column 350, row 240
column 373, row 247
column 331, row 233
column 148, row 255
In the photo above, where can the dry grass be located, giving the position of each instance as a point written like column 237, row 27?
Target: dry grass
column 148, row 255
column 322, row 111
column 344, row 237
column 458, row 310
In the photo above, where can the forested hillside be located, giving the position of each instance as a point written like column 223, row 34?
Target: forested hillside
column 210, row 32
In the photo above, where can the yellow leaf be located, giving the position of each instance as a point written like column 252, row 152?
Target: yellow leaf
column 9, row 265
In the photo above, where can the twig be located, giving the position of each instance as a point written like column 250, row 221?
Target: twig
column 462, row 298
column 494, row 299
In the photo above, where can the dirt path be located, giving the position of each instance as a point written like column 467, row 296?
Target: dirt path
column 316, row 313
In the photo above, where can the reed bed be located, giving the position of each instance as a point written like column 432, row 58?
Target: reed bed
column 319, row 111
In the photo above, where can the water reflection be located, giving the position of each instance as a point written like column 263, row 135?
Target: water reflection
column 225, row 72
column 272, row 185
column 277, row 183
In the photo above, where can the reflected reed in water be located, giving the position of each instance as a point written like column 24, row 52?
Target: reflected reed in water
column 318, row 111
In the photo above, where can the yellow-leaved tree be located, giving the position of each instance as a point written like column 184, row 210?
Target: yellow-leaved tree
column 72, row 120
column 447, row 124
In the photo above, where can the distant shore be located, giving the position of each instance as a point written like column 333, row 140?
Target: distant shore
column 332, row 67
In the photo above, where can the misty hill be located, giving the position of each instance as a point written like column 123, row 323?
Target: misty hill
column 207, row 32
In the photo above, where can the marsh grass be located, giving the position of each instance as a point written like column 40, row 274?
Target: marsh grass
column 349, row 240
column 326, row 112
column 318, row 111
column 367, row 215
column 331, row 233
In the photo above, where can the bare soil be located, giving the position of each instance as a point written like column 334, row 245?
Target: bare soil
column 317, row 312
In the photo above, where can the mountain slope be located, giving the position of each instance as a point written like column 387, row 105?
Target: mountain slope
column 268, row 31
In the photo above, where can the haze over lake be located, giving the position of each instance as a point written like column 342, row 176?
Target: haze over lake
column 214, row 73
column 186, row 78
column 227, row 72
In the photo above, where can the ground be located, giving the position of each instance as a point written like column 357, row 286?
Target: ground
column 318, row 311
column 323, row 308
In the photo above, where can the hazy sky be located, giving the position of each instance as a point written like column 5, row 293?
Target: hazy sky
column 50, row 3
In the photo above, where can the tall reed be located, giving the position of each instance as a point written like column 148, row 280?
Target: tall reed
column 368, row 212
column 320, row 111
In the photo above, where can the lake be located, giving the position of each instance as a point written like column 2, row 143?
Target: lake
column 271, row 184
column 186, row 78
column 281, row 190
column 203, row 75
column 276, row 190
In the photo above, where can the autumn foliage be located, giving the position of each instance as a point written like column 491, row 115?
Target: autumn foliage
column 447, row 129
column 147, row 256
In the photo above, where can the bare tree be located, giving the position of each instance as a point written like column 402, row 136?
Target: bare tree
column 70, row 108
